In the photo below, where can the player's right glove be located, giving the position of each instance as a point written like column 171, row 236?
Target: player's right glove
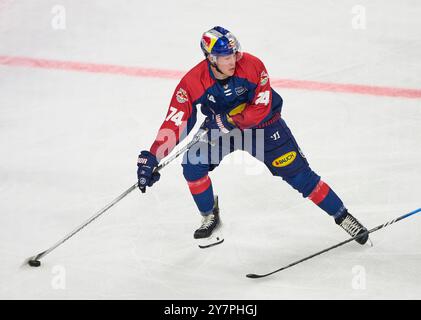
column 217, row 125
column 220, row 122
column 146, row 164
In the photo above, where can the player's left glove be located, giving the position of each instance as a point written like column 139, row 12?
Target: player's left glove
column 146, row 164
column 218, row 122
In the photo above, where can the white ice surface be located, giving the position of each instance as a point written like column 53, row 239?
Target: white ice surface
column 69, row 143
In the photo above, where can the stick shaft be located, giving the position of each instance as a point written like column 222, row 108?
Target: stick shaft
column 195, row 139
column 339, row 244
column 83, row 225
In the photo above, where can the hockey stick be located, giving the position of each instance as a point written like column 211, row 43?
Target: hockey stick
column 34, row 260
column 255, row 276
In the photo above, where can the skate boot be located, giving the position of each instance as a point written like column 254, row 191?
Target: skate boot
column 352, row 226
column 209, row 233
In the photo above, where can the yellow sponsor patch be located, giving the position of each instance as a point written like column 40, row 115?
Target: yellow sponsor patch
column 285, row 159
column 237, row 109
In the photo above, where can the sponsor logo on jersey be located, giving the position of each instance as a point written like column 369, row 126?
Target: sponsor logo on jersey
column 284, row 160
column 240, row 90
column 142, row 160
column 181, row 95
column 264, row 77
column 276, row 136
column 211, row 98
column 237, row 109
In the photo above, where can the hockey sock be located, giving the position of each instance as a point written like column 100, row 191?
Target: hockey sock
column 327, row 200
column 202, row 193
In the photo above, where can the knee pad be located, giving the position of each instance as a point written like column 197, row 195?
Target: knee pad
column 193, row 172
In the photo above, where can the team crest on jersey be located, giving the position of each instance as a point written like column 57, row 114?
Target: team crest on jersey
column 264, row 77
column 181, row 95
column 240, row 90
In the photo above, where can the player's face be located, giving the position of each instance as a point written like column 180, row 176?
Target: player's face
column 227, row 64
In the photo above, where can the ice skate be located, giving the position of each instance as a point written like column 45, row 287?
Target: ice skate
column 352, row 226
column 209, row 233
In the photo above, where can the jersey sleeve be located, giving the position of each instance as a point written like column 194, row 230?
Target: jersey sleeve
column 180, row 119
column 260, row 106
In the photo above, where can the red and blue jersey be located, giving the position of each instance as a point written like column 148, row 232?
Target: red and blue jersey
column 246, row 96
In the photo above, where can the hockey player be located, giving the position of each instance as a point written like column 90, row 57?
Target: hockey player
column 232, row 89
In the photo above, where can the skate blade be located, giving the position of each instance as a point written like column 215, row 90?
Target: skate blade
column 215, row 239
column 208, row 245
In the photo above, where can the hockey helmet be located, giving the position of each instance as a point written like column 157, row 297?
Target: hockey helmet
column 219, row 42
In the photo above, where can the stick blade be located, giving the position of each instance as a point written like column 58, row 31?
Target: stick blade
column 25, row 263
column 33, row 261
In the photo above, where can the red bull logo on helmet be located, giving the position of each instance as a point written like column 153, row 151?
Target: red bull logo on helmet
column 208, row 41
column 219, row 41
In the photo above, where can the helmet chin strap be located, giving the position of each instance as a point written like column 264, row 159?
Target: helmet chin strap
column 213, row 64
column 217, row 69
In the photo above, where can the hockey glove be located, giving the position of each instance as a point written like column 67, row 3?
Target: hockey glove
column 218, row 122
column 146, row 165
